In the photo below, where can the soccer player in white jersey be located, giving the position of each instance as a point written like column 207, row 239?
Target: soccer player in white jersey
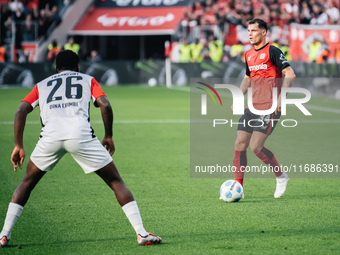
column 64, row 100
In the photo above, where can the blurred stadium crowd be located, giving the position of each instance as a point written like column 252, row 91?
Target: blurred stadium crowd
column 28, row 21
column 214, row 30
column 217, row 29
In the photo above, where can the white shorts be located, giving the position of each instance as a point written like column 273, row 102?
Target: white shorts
column 90, row 154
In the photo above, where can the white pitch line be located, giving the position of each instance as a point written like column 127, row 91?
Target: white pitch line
column 322, row 109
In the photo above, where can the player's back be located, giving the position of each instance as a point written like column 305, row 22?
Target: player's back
column 64, row 100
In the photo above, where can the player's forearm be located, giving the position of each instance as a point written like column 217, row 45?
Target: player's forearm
column 245, row 84
column 19, row 122
column 288, row 82
column 289, row 77
column 19, row 126
column 107, row 116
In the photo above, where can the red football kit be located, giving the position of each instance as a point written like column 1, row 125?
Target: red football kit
column 264, row 66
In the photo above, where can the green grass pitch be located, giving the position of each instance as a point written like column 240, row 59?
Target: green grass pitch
column 73, row 213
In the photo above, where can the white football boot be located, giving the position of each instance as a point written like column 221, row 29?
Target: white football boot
column 281, row 185
column 150, row 239
column 3, row 241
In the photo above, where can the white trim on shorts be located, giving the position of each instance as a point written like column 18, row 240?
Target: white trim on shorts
column 89, row 153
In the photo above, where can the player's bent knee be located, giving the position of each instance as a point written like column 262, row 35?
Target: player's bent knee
column 240, row 145
column 109, row 173
column 33, row 174
column 255, row 148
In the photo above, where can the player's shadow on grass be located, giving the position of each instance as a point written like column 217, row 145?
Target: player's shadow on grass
column 112, row 240
column 257, row 200
column 68, row 242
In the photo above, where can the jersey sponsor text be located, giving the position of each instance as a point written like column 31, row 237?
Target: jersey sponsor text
column 258, row 67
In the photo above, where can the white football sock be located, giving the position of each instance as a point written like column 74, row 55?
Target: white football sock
column 132, row 213
column 13, row 213
column 283, row 175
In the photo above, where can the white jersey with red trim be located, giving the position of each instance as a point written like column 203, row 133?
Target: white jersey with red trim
column 64, row 101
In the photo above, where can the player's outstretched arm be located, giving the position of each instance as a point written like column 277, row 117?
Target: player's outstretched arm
column 107, row 116
column 287, row 82
column 18, row 154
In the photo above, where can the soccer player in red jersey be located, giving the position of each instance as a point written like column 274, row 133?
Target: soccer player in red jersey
column 64, row 100
column 265, row 65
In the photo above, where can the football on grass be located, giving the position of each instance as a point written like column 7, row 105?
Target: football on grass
column 231, row 191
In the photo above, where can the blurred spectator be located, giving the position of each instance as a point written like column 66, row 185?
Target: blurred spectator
column 322, row 58
column 196, row 51
column 19, row 17
column 43, row 24
column 53, row 50
column 8, row 27
column 15, row 5
column 209, row 16
column 186, row 25
column 222, row 4
column 32, row 4
column 221, row 19
column 236, row 51
column 332, row 12
column 276, row 43
column 242, row 28
column 337, row 53
column 197, row 10
column 21, row 56
column 208, row 3
column 71, row 45
column 205, row 28
column 285, row 51
column 185, row 51
column 215, row 49
column 203, row 38
column 53, row 15
column 95, row 57
column 305, row 13
column 290, row 11
column 3, row 17
column 34, row 10
column 314, row 50
column 29, row 28
column 319, row 17
column 275, row 30
column 2, row 53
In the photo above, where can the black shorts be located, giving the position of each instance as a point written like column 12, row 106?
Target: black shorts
column 251, row 122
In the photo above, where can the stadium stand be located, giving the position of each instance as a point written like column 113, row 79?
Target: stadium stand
column 28, row 21
column 42, row 21
column 227, row 20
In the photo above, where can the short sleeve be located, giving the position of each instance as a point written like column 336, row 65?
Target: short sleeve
column 33, row 97
column 96, row 90
column 278, row 58
column 247, row 69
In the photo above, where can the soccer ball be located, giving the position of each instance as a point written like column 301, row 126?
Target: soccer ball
column 231, row 191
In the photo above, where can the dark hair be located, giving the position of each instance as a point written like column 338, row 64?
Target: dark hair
column 262, row 24
column 67, row 60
